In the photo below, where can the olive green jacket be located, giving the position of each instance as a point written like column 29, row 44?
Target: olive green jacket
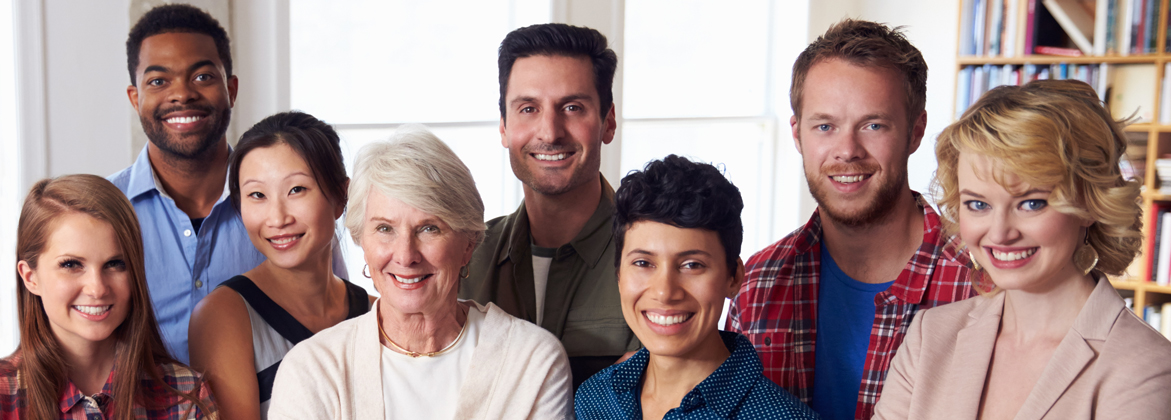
column 582, row 306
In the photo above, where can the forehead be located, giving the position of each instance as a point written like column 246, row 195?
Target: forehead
column 663, row 238
column 975, row 171
column 177, row 49
column 273, row 161
column 80, row 234
column 551, row 76
column 838, row 86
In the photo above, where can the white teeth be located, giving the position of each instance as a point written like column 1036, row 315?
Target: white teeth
column 848, row 179
column 1012, row 256
column 285, row 240
column 665, row 320
column 409, row 280
column 183, row 120
column 92, row 310
column 558, row 156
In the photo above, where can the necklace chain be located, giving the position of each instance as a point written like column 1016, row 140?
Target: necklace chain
column 417, row 354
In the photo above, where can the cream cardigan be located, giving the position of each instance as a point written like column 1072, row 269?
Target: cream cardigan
column 518, row 371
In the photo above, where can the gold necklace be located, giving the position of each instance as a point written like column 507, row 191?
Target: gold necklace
column 415, row 354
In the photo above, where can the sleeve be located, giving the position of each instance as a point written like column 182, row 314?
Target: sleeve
column 304, row 388
column 895, row 401
column 555, row 398
column 208, row 401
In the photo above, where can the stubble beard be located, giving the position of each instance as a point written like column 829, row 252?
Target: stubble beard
column 877, row 207
column 175, row 148
column 550, row 187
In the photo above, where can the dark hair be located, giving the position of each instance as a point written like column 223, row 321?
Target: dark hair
column 312, row 139
column 564, row 40
column 173, row 18
column 680, row 193
column 867, row 44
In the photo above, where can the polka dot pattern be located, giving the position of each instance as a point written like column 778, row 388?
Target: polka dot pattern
column 736, row 390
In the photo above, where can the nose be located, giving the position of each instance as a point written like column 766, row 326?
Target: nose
column 663, row 286
column 848, row 147
column 1003, row 230
column 182, row 91
column 551, row 127
column 404, row 251
column 96, row 283
column 278, row 215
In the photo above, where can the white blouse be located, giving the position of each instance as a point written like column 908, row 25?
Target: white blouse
column 428, row 387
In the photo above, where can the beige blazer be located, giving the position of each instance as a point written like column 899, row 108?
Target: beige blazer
column 518, row 371
column 1111, row 365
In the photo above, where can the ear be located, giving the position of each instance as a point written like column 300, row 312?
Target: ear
column 132, row 93
column 611, row 125
column 470, row 250
column 795, row 127
column 29, row 277
column 737, row 279
column 503, row 135
column 917, row 132
column 233, row 88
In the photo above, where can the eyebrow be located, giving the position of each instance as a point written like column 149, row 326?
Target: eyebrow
column 686, row 253
column 1024, row 194
column 164, row 69
column 561, row 100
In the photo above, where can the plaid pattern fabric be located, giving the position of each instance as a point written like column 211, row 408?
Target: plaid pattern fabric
column 777, row 305
column 75, row 405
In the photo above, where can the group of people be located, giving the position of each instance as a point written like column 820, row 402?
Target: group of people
column 205, row 269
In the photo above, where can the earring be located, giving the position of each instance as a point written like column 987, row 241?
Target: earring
column 1085, row 256
column 465, row 272
column 975, row 265
column 364, row 273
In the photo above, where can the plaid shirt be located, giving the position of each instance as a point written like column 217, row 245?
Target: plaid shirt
column 75, row 405
column 777, row 305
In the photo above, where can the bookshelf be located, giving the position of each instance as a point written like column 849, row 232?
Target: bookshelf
column 1148, row 139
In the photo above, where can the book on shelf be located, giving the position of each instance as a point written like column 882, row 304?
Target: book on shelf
column 1153, row 315
column 1010, row 28
column 1163, row 251
column 973, row 81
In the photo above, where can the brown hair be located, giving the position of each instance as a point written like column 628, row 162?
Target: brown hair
column 867, row 44
column 139, row 347
column 1057, row 133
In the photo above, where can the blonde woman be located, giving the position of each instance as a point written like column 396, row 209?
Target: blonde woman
column 1030, row 182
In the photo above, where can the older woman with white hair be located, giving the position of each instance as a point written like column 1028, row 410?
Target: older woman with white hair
column 422, row 353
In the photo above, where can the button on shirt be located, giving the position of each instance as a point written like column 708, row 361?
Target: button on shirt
column 184, row 265
column 736, row 390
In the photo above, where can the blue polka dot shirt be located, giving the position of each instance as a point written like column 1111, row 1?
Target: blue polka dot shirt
column 736, row 390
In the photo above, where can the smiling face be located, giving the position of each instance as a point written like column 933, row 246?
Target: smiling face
column 82, row 280
column 1022, row 242
column 184, row 97
column 673, row 282
column 854, row 140
column 414, row 257
column 287, row 215
column 555, row 126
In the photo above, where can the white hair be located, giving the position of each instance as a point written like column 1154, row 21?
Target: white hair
column 417, row 168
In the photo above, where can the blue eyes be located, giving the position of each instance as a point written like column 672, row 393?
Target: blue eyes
column 976, row 205
column 1027, row 205
column 822, row 127
column 1033, row 205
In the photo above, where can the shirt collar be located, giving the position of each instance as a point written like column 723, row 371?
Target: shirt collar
column 71, row 396
column 590, row 242
column 143, row 178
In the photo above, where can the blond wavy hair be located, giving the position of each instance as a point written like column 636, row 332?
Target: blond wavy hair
column 1049, row 133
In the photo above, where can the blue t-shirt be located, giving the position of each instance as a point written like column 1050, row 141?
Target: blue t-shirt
column 845, row 316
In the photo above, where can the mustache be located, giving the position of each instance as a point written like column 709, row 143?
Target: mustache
column 850, row 168
column 206, row 109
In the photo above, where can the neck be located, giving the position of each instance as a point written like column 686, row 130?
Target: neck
column 195, row 184
column 421, row 333
column 668, row 379
column 554, row 220
column 88, row 365
column 309, row 289
column 876, row 252
column 1046, row 314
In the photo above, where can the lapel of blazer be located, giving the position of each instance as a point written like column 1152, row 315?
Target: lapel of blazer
column 366, row 386
column 972, row 356
column 1074, row 353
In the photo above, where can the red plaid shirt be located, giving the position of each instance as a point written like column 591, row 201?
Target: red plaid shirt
column 777, row 305
column 75, row 405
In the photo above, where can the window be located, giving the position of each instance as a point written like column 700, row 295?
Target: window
column 11, row 197
column 374, row 65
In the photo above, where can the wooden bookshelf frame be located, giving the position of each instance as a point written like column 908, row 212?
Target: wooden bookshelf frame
column 1138, row 282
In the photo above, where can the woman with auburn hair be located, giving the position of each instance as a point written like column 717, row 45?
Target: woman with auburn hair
column 89, row 343
column 1030, row 181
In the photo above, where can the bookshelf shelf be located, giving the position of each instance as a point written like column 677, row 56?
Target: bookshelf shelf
column 1056, row 59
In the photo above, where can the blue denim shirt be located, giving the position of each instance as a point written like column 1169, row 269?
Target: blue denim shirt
column 736, row 390
column 183, row 266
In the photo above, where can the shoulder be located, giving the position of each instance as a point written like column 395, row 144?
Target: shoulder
column 9, row 380
column 1135, row 350
column 524, row 335
column 952, row 315
column 121, row 179
column 593, row 396
column 768, row 399
column 495, row 237
column 180, row 377
column 331, row 342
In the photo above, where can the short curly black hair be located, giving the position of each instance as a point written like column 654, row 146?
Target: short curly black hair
column 680, row 193
column 176, row 18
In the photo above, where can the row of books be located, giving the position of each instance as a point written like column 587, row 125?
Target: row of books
column 1125, row 88
column 1011, row 28
column 1159, row 318
column 1159, row 235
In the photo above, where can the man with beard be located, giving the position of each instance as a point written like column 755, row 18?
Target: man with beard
column 843, row 289
column 182, row 87
column 550, row 262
